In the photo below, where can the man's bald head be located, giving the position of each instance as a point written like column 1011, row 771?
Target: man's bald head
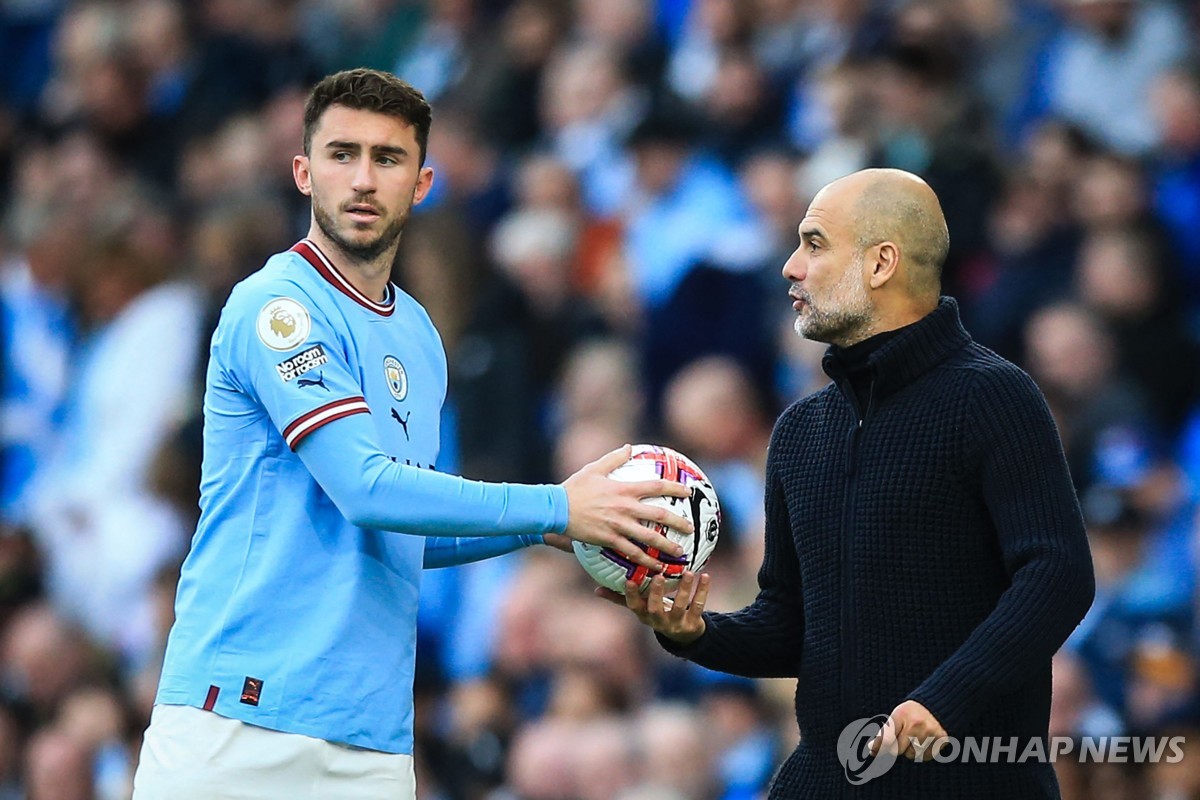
column 891, row 205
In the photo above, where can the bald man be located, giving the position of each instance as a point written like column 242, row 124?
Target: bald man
column 925, row 554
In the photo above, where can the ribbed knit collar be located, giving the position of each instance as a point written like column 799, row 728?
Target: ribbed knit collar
column 913, row 351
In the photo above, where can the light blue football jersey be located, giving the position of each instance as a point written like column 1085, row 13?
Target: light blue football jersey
column 297, row 604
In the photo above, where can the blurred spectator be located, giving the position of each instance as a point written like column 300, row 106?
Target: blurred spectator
column 676, row 748
column 837, row 33
column 1008, row 37
column 35, row 334
column 45, row 659
column 1102, row 419
column 1120, row 274
column 471, row 177
column 58, row 767
column 714, row 28
column 507, row 92
column 476, row 311
column 626, row 28
column 738, row 728
column 742, row 113
column 342, row 34
column 588, row 109
column 1099, row 70
column 103, row 532
column 1129, row 640
column 1175, row 177
column 439, row 56
column 840, row 97
column 536, row 250
column 928, row 125
column 1030, row 264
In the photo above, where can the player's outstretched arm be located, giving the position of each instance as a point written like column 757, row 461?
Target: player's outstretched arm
column 609, row 513
column 372, row 491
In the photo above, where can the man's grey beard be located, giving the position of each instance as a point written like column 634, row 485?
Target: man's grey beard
column 843, row 326
column 363, row 252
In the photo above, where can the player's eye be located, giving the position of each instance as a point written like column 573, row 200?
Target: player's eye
column 341, row 156
column 813, row 246
column 386, row 161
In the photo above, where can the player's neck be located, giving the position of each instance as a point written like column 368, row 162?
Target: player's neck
column 369, row 277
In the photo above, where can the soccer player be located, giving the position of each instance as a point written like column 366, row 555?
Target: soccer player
column 288, row 672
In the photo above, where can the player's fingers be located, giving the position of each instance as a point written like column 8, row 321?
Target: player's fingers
column 696, row 608
column 657, row 488
column 942, row 743
column 609, row 595
column 664, row 516
column 682, row 594
column 650, row 538
column 887, row 737
column 610, row 461
column 633, row 598
column 624, row 545
column 654, row 600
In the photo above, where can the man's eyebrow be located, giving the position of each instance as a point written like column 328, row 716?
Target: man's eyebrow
column 387, row 149
column 807, row 233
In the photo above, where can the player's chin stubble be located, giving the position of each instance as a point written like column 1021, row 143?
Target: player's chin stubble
column 363, row 251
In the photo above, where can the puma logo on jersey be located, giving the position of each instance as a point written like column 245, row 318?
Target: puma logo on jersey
column 317, row 381
column 403, row 422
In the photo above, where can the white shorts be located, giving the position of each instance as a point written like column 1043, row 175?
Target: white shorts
column 191, row 754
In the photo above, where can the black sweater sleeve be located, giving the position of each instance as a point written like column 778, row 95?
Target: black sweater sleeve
column 1028, row 493
column 763, row 640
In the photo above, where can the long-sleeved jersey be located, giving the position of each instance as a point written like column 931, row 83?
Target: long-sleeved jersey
column 296, row 608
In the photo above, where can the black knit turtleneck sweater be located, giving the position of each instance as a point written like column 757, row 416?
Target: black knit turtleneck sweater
column 925, row 544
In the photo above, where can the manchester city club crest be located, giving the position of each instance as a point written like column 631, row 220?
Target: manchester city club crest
column 397, row 378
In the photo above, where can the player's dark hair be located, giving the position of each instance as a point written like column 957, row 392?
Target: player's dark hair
column 369, row 90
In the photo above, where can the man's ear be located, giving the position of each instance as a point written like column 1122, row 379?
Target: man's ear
column 301, row 175
column 883, row 259
column 424, row 184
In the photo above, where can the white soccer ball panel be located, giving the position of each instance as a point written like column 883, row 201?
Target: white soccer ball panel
column 649, row 462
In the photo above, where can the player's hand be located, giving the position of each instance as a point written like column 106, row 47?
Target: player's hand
column 609, row 513
column 680, row 619
column 911, row 730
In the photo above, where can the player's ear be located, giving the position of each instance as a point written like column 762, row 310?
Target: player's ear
column 301, row 175
column 882, row 259
column 424, row 184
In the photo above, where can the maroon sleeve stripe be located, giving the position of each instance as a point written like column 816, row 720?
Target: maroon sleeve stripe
column 307, row 423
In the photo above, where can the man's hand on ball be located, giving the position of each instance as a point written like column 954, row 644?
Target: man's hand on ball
column 609, row 513
column 675, row 618
column 913, row 731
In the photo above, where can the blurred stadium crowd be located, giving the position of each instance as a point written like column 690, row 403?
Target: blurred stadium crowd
column 618, row 184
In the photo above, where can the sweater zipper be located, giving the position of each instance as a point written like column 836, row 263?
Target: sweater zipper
column 849, row 628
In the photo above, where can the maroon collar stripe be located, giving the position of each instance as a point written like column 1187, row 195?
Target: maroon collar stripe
column 309, row 251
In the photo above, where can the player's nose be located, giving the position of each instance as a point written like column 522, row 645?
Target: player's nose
column 796, row 267
column 364, row 177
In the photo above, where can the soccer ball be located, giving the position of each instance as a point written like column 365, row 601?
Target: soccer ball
column 650, row 462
